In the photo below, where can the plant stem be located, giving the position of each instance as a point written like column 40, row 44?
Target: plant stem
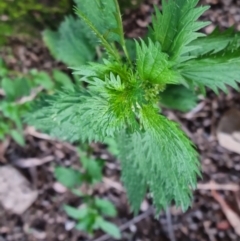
column 170, row 226
column 120, row 25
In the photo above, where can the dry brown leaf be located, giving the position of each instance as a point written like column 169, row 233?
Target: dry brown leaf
column 16, row 194
column 113, row 184
column 228, row 131
column 33, row 162
column 59, row 188
column 32, row 131
column 232, row 217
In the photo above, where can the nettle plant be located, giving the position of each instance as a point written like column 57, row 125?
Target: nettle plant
column 122, row 95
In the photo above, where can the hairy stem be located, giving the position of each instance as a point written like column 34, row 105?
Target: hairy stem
column 122, row 40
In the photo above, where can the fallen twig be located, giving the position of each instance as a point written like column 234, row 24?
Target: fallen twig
column 2, row 93
column 33, row 162
column 216, row 186
column 232, row 217
column 194, row 111
column 32, row 132
column 31, row 97
column 112, row 184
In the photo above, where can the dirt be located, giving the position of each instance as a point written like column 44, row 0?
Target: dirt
column 206, row 220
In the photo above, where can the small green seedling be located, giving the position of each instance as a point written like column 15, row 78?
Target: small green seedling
column 91, row 215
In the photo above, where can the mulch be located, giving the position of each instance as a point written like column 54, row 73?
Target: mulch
column 204, row 221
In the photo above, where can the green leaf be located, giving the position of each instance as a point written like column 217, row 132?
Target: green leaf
column 109, row 228
column 42, row 78
column 175, row 27
column 102, row 14
column 74, row 46
column 214, row 70
column 153, row 65
column 103, row 18
column 214, row 42
column 70, row 44
column 131, row 48
column 3, row 69
column 88, row 223
column 76, row 213
column 87, row 72
column 77, row 192
column 68, row 176
column 63, row 79
column 165, row 158
column 51, row 40
column 16, row 88
column 178, row 97
column 93, row 169
column 12, row 111
column 133, row 181
column 58, row 115
column 18, row 137
column 106, row 208
column 80, row 115
column 8, row 87
column 112, row 145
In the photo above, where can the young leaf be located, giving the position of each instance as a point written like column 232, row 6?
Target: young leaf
column 87, row 72
column 109, row 228
column 18, row 137
column 43, row 79
column 106, row 208
column 153, row 65
column 175, row 27
column 63, row 79
column 112, row 145
column 51, row 40
column 68, row 176
column 93, row 169
column 16, row 88
column 58, row 115
column 76, row 213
